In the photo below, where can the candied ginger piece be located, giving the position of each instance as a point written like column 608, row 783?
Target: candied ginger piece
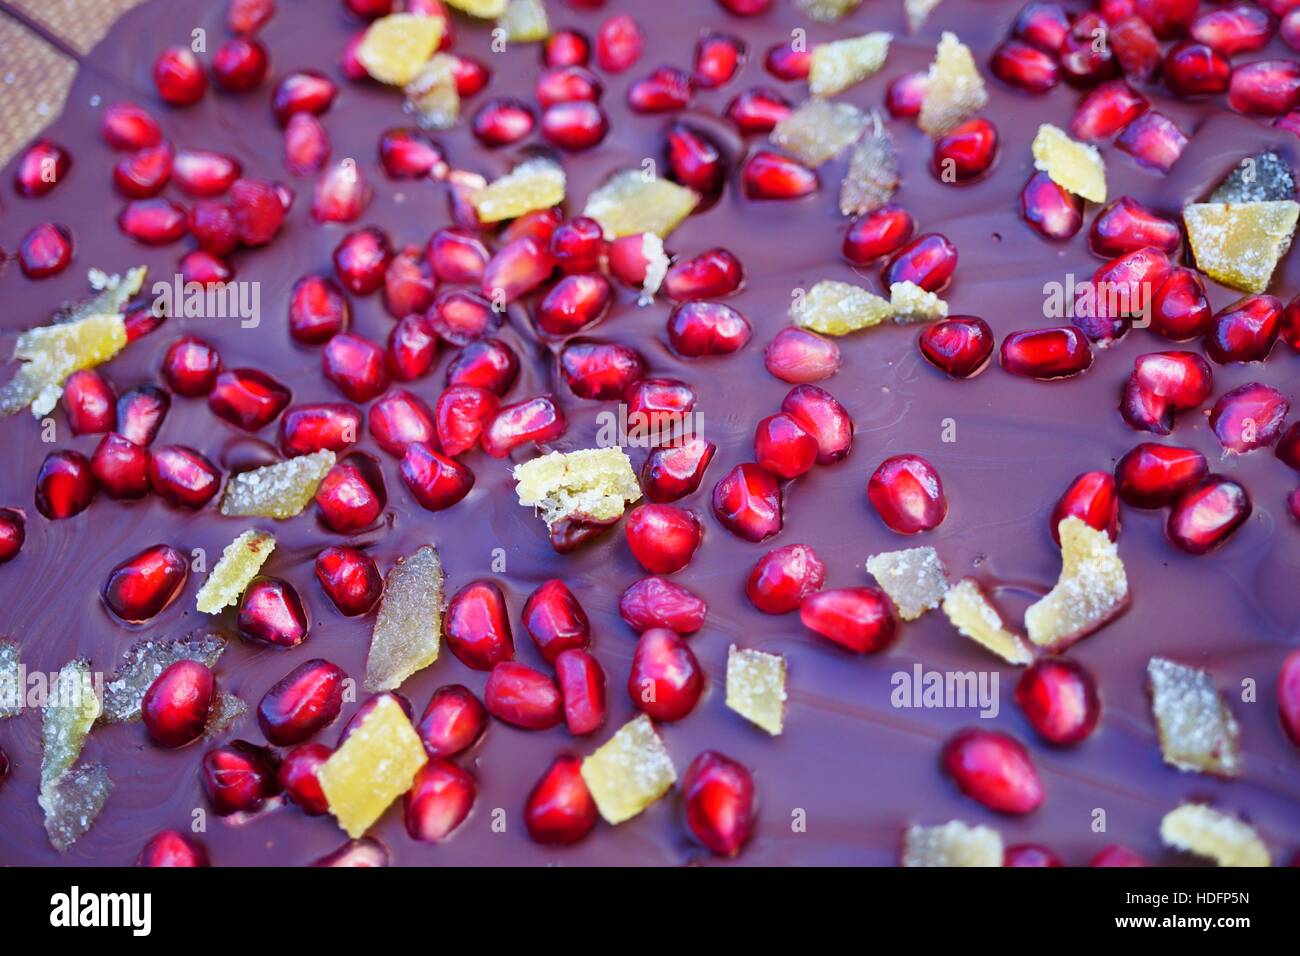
column 1223, row 838
column 1197, row 730
column 1264, row 177
column 827, row 11
column 408, row 627
column 1240, row 244
column 971, row 613
column 1092, row 588
column 629, row 771
column 913, row 578
column 396, row 47
column 71, row 709
column 594, row 484
column 630, row 202
column 238, row 564
column 372, row 768
column 656, row 268
column 918, row 11
column 839, row 64
column 525, row 21
column 872, row 176
column 432, row 94
column 956, row 89
column 226, row 709
column 756, row 687
column 819, row 130
column 952, row 844
column 1075, row 167
column 483, row 9
column 141, row 664
column 911, row 303
column 837, row 308
column 277, row 491
column 11, row 691
column 535, row 184
column 72, row 803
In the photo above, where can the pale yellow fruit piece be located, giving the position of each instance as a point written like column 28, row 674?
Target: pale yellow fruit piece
column 1092, row 588
column 819, row 130
column 918, row 11
column 71, row 707
column 594, row 484
column 1197, row 730
column 630, row 202
column 238, row 564
column 839, row 64
column 1240, row 244
column 756, row 687
column 629, row 771
column 1075, row 167
column 483, row 9
column 72, row 802
column 827, row 11
column 911, row 303
column 913, row 578
column 432, row 94
column 535, row 184
column 525, row 21
column 1223, row 838
column 952, row 844
column 838, row 308
column 12, row 690
column 971, row 613
column 872, row 176
column 956, row 89
column 372, row 768
column 408, row 627
column 397, row 46
column 277, row 491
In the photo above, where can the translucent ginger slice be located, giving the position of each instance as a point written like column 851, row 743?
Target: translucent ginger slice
column 372, row 768
column 72, row 802
column 838, row 308
column 71, row 709
column 277, row 491
column 629, row 771
column 408, row 627
column 525, row 21
column 1196, row 729
column 1092, row 588
column 970, row 612
column 1240, row 244
column 631, row 202
column 594, row 484
column 1075, row 167
column 238, row 564
column 839, row 64
column 396, row 47
column 952, row 844
column 141, row 664
column 918, row 11
column 872, row 176
column 756, row 687
column 1225, row 839
column 827, row 11
column 226, row 709
column 956, row 89
column 911, row 303
column 432, row 94
column 483, row 9
column 913, row 578
column 535, row 184
column 819, row 130
column 11, row 691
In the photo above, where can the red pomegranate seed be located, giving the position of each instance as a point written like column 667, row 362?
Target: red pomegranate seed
column 171, row 849
column 783, row 577
column 718, row 795
column 1290, row 330
column 456, row 256
column 768, row 175
column 355, row 365
column 182, row 476
column 179, row 78
column 1288, row 446
column 471, row 75
column 566, row 48
column 1183, row 379
column 13, row 533
column 140, row 413
column 144, row 173
column 1144, row 410
column 518, row 268
column 1107, row 110
column 203, row 268
column 582, row 685
column 798, row 356
column 461, row 415
column 240, row 64
column 350, row 578
column 663, row 538
column 522, row 696
column 694, row 160
column 121, row 467
column 352, row 495
column 271, row 611
column 247, row 398
column 301, row 703
column 877, row 233
column 747, row 502
column 600, row 371
column 1289, row 30
column 1136, row 47
column 1288, row 696
column 1207, row 514
column 153, row 222
column 45, row 251
column 259, row 211
column 248, row 16
column 453, row 721
column 658, row 403
column 435, row 481
column 576, row 245
column 501, row 122
column 537, row 225
column 717, row 58
column 361, row 260
column 127, row 126
column 366, row 852
column 907, row 494
column 1168, row 18
column 1046, row 353
column 400, row 418
column 439, row 801
column 1030, row 854
column 574, row 303
column 787, row 63
column 1116, row 855
column 664, row 90
column 1192, row 68
column 928, row 261
column 1020, row 65
column 88, row 402
column 1127, row 226
column 619, row 43
column 190, row 366
column 324, row 425
column 709, row 275
column 555, row 620
column 239, row 777
column 1249, row 417
column 758, row 110
column 303, row 91
column 1086, row 55
column 142, row 586
column 574, row 126
column 306, row 145
column 317, row 310
column 825, row 418
column 959, row 345
column 698, row 329
column 905, row 93
column 533, row 420
column 341, row 193
column 657, row 602
column 675, row 471
column 40, row 168
column 408, row 284
column 202, row 173
column 65, row 485
column 477, row 626
column 858, row 619
column 409, row 154
column 1045, row 25
column 966, row 152
column 1179, row 309
column 1245, row 331
column 1125, row 286
column 1154, row 140
column 666, row 680
column 783, row 446
column 1152, row 475
column 1232, row 30
column 212, row 224
column 994, row 769
column 1091, row 498
column 297, row 777
column 560, row 809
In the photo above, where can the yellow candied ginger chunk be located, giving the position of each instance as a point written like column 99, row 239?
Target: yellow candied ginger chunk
column 432, row 94
column 952, row 844
column 827, row 11
column 72, row 706
column 839, row 64
column 483, row 9
column 535, row 184
column 276, row 491
column 1196, row 729
column 913, row 578
column 594, row 484
column 408, row 627
column 630, row 202
column 1092, row 588
column 1075, row 167
column 838, row 308
column 396, row 47
column 956, row 89
column 525, row 21
column 872, row 175
column 918, row 11
column 1207, row 832
column 911, row 303
column 629, row 771
column 372, row 768
column 819, row 130
column 1240, row 244
column 970, row 612
column 756, row 687
column 238, row 564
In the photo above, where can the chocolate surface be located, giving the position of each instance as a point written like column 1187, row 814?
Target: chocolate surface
column 859, row 769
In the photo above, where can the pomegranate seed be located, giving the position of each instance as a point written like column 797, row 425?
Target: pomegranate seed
column 566, row 48
column 409, row 154
column 966, row 152
column 522, row 696
column 675, row 471
column 758, row 110
column 302, row 91
column 709, row 275
column 144, row 173
column 1152, row 475
column 1232, row 30
column 460, row 317
column 663, row 538
column 435, row 481
column 40, row 168
column 461, row 415
column 576, row 245
column 1136, row 47
column 825, row 418
column 501, row 122
column 65, row 485
column 697, row 329
column 555, row 620
column 1116, row 855
column 1107, row 110
column 859, row 619
column 355, row 366
column 783, row 577
column 1249, row 417
column 259, row 212
column 600, row 371
column 127, row 126
column 171, row 849
column 1207, row 514
column 352, row 495
column 959, row 345
column 619, row 43
column 439, row 801
column 1192, row 68
column 212, row 224
column 798, row 356
column 1046, row 353
column 1086, row 56
column 140, row 413
column 568, row 84
column 877, row 233
column 574, row 126
column 1168, row 18
column 182, row 476
column 695, row 161
column 142, row 586
column 928, row 261
column 238, row 777
column 271, row 611
column 1288, row 447
column 203, row 268
column 477, row 626
column 786, row 63
column 666, row 680
column 657, row 602
column 718, row 795
column 350, row 66
column 1179, row 309
column 1183, row 379
column 305, row 429
column 784, row 447
column 301, row 703
column 1045, row 25
column 453, row 722
column 341, row 194
column 574, row 303
column 247, row 398
column 1090, row 498
column 1267, row 88
column 45, row 251
column 13, row 533
column 400, row 418
column 471, row 75
column 190, row 366
column 533, row 420
column 1127, row 226
column 297, row 777
column 88, row 402
column 366, row 852
column 659, row 404
column 240, row 64
column 1288, row 696
column 203, row 173
column 1245, row 331
column 747, row 501
column 560, row 809
column 121, row 467
column 1154, row 140
column 408, row 284
column 717, row 58
column 153, row 222
column 904, row 94
column 1145, row 410
column 249, row 16
column 350, row 578
column 538, row 225
column 1030, row 854
column 1290, row 330
column 518, row 268
column 768, row 175
column 1020, row 65
column 582, row 684
column 1289, row 30
column 664, row 90
column 179, row 78
column 994, row 769
column 907, row 494
column 306, row 145
column 317, row 310
column 456, row 256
